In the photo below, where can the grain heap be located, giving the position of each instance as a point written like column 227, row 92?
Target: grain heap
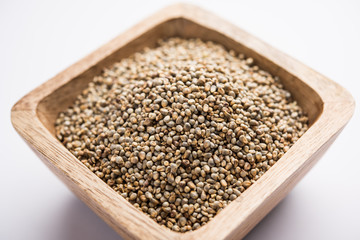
column 181, row 130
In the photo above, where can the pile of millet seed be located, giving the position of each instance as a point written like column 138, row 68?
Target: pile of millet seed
column 181, row 130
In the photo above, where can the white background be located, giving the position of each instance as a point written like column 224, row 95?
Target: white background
column 38, row 39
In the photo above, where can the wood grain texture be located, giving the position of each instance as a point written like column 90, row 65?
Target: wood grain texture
column 328, row 105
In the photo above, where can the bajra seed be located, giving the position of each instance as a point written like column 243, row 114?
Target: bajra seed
column 181, row 130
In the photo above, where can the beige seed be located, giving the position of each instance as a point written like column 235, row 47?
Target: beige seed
column 223, row 183
column 133, row 196
column 182, row 221
column 193, row 195
column 206, row 108
column 246, row 184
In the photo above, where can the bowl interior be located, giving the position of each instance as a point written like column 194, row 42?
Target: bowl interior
column 50, row 106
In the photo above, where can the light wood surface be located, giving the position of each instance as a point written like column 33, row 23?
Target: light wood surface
column 327, row 104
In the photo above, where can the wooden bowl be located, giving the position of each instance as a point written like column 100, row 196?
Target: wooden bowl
column 328, row 105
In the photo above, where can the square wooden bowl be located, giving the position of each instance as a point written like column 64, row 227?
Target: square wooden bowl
column 328, row 105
